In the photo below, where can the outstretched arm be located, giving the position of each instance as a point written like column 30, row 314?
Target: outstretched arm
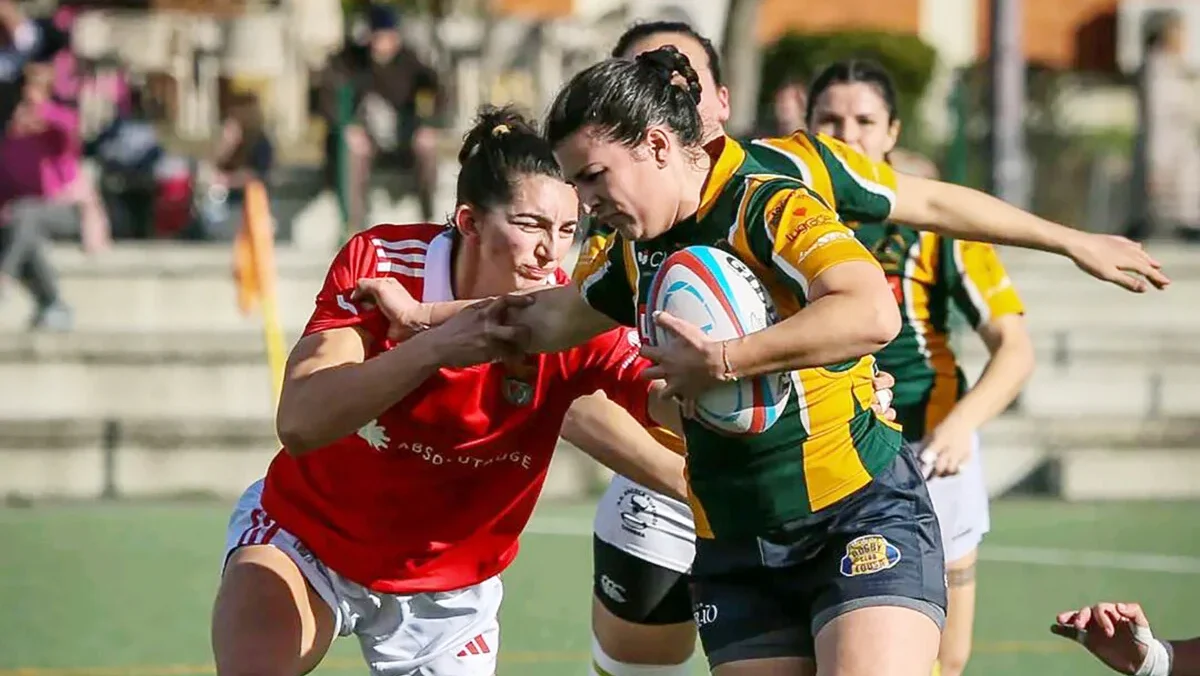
column 557, row 318
column 962, row 213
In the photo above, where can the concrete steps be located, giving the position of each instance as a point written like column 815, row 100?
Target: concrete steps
column 211, row 373
column 152, row 287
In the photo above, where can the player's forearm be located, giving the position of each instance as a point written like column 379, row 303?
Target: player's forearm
column 436, row 313
column 558, row 319
column 834, row 328
column 324, row 406
column 608, row 434
column 1007, row 371
column 962, row 213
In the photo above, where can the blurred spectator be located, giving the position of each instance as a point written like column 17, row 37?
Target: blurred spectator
column 396, row 103
column 244, row 153
column 38, row 166
column 20, row 39
column 789, row 103
column 1167, row 151
column 66, row 183
column 127, row 154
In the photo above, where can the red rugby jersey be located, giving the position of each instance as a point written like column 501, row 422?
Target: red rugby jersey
column 432, row 495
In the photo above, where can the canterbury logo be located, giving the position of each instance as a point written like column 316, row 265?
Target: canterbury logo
column 476, row 646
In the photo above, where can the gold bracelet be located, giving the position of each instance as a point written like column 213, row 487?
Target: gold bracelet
column 729, row 375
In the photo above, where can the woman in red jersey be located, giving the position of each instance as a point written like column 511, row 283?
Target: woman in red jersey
column 409, row 469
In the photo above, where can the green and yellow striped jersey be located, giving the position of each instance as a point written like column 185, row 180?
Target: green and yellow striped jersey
column 930, row 275
column 857, row 188
column 828, row 443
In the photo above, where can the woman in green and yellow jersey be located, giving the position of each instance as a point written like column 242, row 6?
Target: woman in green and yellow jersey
column 817, row 538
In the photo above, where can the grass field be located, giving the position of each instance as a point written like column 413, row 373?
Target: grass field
column 111, row 589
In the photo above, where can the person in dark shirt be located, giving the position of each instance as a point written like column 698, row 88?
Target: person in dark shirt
column 244, row 154
column 397, row 101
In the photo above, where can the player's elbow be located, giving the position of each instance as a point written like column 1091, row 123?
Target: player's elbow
column 296, row 431
column 296, row 440
column 882, row 320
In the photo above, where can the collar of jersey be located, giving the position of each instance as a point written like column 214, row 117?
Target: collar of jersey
column 437, row 269
column 727, row 156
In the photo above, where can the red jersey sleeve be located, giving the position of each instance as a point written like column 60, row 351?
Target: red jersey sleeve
column 334, row 308
column 612, row 362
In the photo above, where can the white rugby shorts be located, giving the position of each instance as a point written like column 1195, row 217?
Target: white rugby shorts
column 647, row 525
column 454, row 633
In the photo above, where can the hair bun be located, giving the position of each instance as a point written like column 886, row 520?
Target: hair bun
column 670, row 63
column 495, row 124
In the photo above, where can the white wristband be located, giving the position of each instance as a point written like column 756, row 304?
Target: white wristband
column 1158, row 654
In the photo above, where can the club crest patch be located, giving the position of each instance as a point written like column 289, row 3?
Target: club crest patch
column 869, row 554
column 517, row 392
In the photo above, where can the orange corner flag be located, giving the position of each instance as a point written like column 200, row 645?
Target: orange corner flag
column 255, row 276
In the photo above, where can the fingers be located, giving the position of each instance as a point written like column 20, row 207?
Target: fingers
column 368, row 288
column 678, row 327
column 516, row 300
column 1066, row 617
column 1133, row 612
column 687, row 407
column 883, row 381
column 497, row 309
column 516, row 337
column 495, row 330
column 1128, row 282
column 1105, row 615
column 1068, row 632
column 1082, row 618
column 654, row 373
column 945, row 466
column 1156, row 277
column 653, row 353
column 1142, row 264
column 927, row 459
column 943, row 461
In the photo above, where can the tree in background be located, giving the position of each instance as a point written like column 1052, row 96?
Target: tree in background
column 741, row 55
column 910, row 60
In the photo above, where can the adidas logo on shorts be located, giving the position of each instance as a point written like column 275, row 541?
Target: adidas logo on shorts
column 476, row 646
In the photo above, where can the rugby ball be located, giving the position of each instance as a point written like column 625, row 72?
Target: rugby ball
column 716, row 291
